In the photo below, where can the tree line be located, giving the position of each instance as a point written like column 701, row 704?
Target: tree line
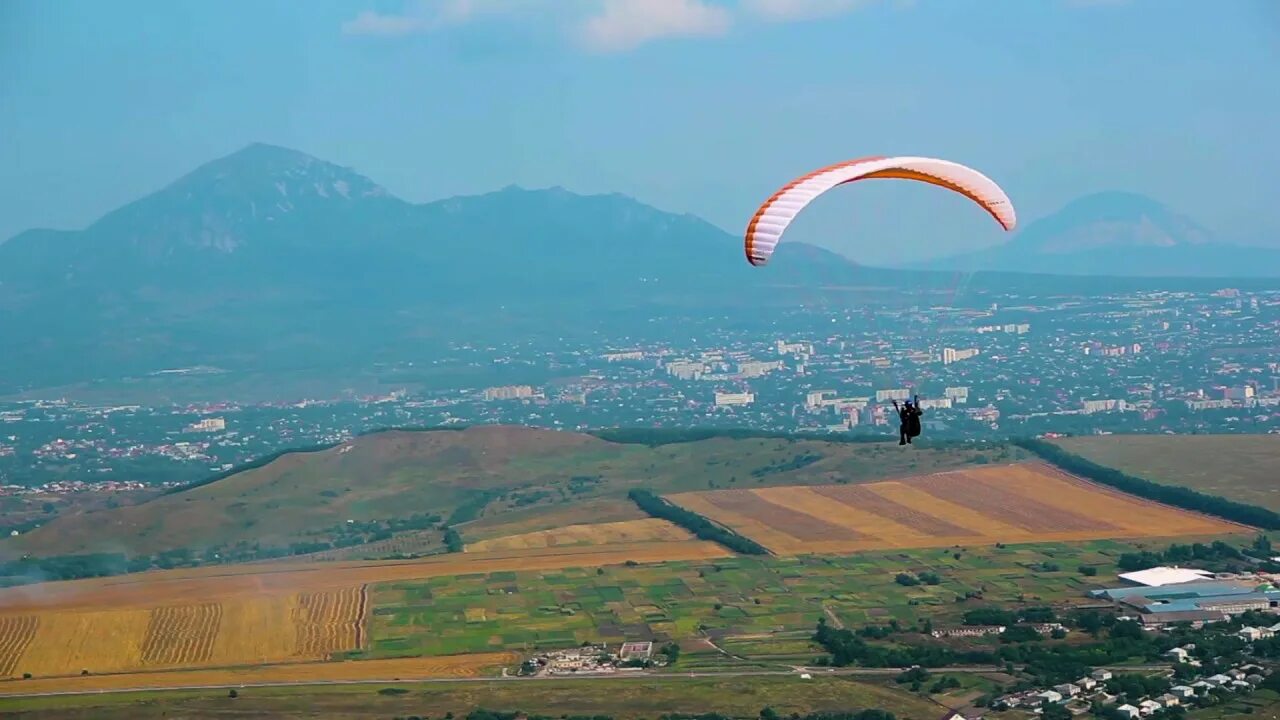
column 1185, row 498
column 694, row 523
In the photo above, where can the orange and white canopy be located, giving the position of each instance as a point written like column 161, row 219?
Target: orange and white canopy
column 773, row 217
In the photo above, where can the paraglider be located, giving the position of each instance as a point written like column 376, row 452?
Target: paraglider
column 909, row 413
column 771, row 220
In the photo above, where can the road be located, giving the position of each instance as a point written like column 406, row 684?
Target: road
column 637, row 675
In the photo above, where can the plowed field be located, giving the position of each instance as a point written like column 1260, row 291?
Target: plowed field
column 1028, row 502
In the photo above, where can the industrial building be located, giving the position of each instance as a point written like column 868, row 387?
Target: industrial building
column 1197, row 602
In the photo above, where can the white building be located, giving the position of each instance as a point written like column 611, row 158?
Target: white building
column 1158, row 576
column 208, row 425
column 894, row 394
column 730, row 399
column 1128, row 711
column 952, row 355
column 1050, row 696
column 508, row 392
column 756, row 368
column 1088, row 407
column 958, row 395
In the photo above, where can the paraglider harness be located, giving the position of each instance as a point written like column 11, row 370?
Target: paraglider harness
column 913, row 420
column 909, row 413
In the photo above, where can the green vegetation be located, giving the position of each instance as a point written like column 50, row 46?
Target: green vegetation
column 767, row 698
column 1238, row 467
column 695, row 523
column 1217, row 556
column 1171, row 495
column 755, row 606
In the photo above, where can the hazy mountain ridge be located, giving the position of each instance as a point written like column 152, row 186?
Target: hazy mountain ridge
column 1118, row 234
column 273, row 261
column 268, row 258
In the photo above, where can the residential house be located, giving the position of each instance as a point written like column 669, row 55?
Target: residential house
column 1240, row 686
column 1169, row 700
column 1147, row 707
column 1250, row 634
column 1100, row 675
column 1086, row 684
column 1050, row 696
column 1128, row 711
column 1254, row 679
column 1177, row 655
column 1201, row 687
column 1218, row 680
column 1183, row 692
column 1067, row 690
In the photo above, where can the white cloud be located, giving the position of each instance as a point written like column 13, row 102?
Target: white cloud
column 372, row 23
column 627, row 24
column 792, row 10
column 422, row 16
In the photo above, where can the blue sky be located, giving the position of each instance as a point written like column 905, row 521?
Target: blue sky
column 701, row 106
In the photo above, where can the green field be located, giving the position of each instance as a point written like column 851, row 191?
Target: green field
column 757, row 607
column 619, row 698
column 1238, row 467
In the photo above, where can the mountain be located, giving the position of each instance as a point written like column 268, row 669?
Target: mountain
column 1118, row 234
column 274, row 260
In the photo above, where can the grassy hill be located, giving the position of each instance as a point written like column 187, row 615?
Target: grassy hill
column 500, row 480
column 1236, row 467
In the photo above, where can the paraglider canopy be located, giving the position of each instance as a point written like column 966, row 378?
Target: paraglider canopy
column 775, row 215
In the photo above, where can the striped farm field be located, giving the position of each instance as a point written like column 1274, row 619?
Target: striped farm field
column 234, row 631
column 613, row 533
column 1028, row 502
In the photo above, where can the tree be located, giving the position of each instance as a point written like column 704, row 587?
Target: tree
column 907, row 580
column 1054, row 711
column 233, row 694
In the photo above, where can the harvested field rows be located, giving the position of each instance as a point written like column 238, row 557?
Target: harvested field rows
column 457, row 666
column 242, row 615
column 181, row 634
column 270, row 628
column 16, row 633
column 614, row 533
column 1029, row 502
column 329, row 621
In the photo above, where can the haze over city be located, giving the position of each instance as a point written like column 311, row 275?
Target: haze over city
column 640, row 359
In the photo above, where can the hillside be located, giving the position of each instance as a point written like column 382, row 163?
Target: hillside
column 505, row 480
column 1118, row 234
column 1237, row 467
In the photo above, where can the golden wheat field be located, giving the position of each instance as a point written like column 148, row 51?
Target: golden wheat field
column 267, row 628
column 447, row 666
column 242, row 614
column 1028, row 502
column 613, row 533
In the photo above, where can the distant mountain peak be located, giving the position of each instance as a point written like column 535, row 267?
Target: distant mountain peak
column 1117, row 233
column 220, row 205
column 279, row 167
